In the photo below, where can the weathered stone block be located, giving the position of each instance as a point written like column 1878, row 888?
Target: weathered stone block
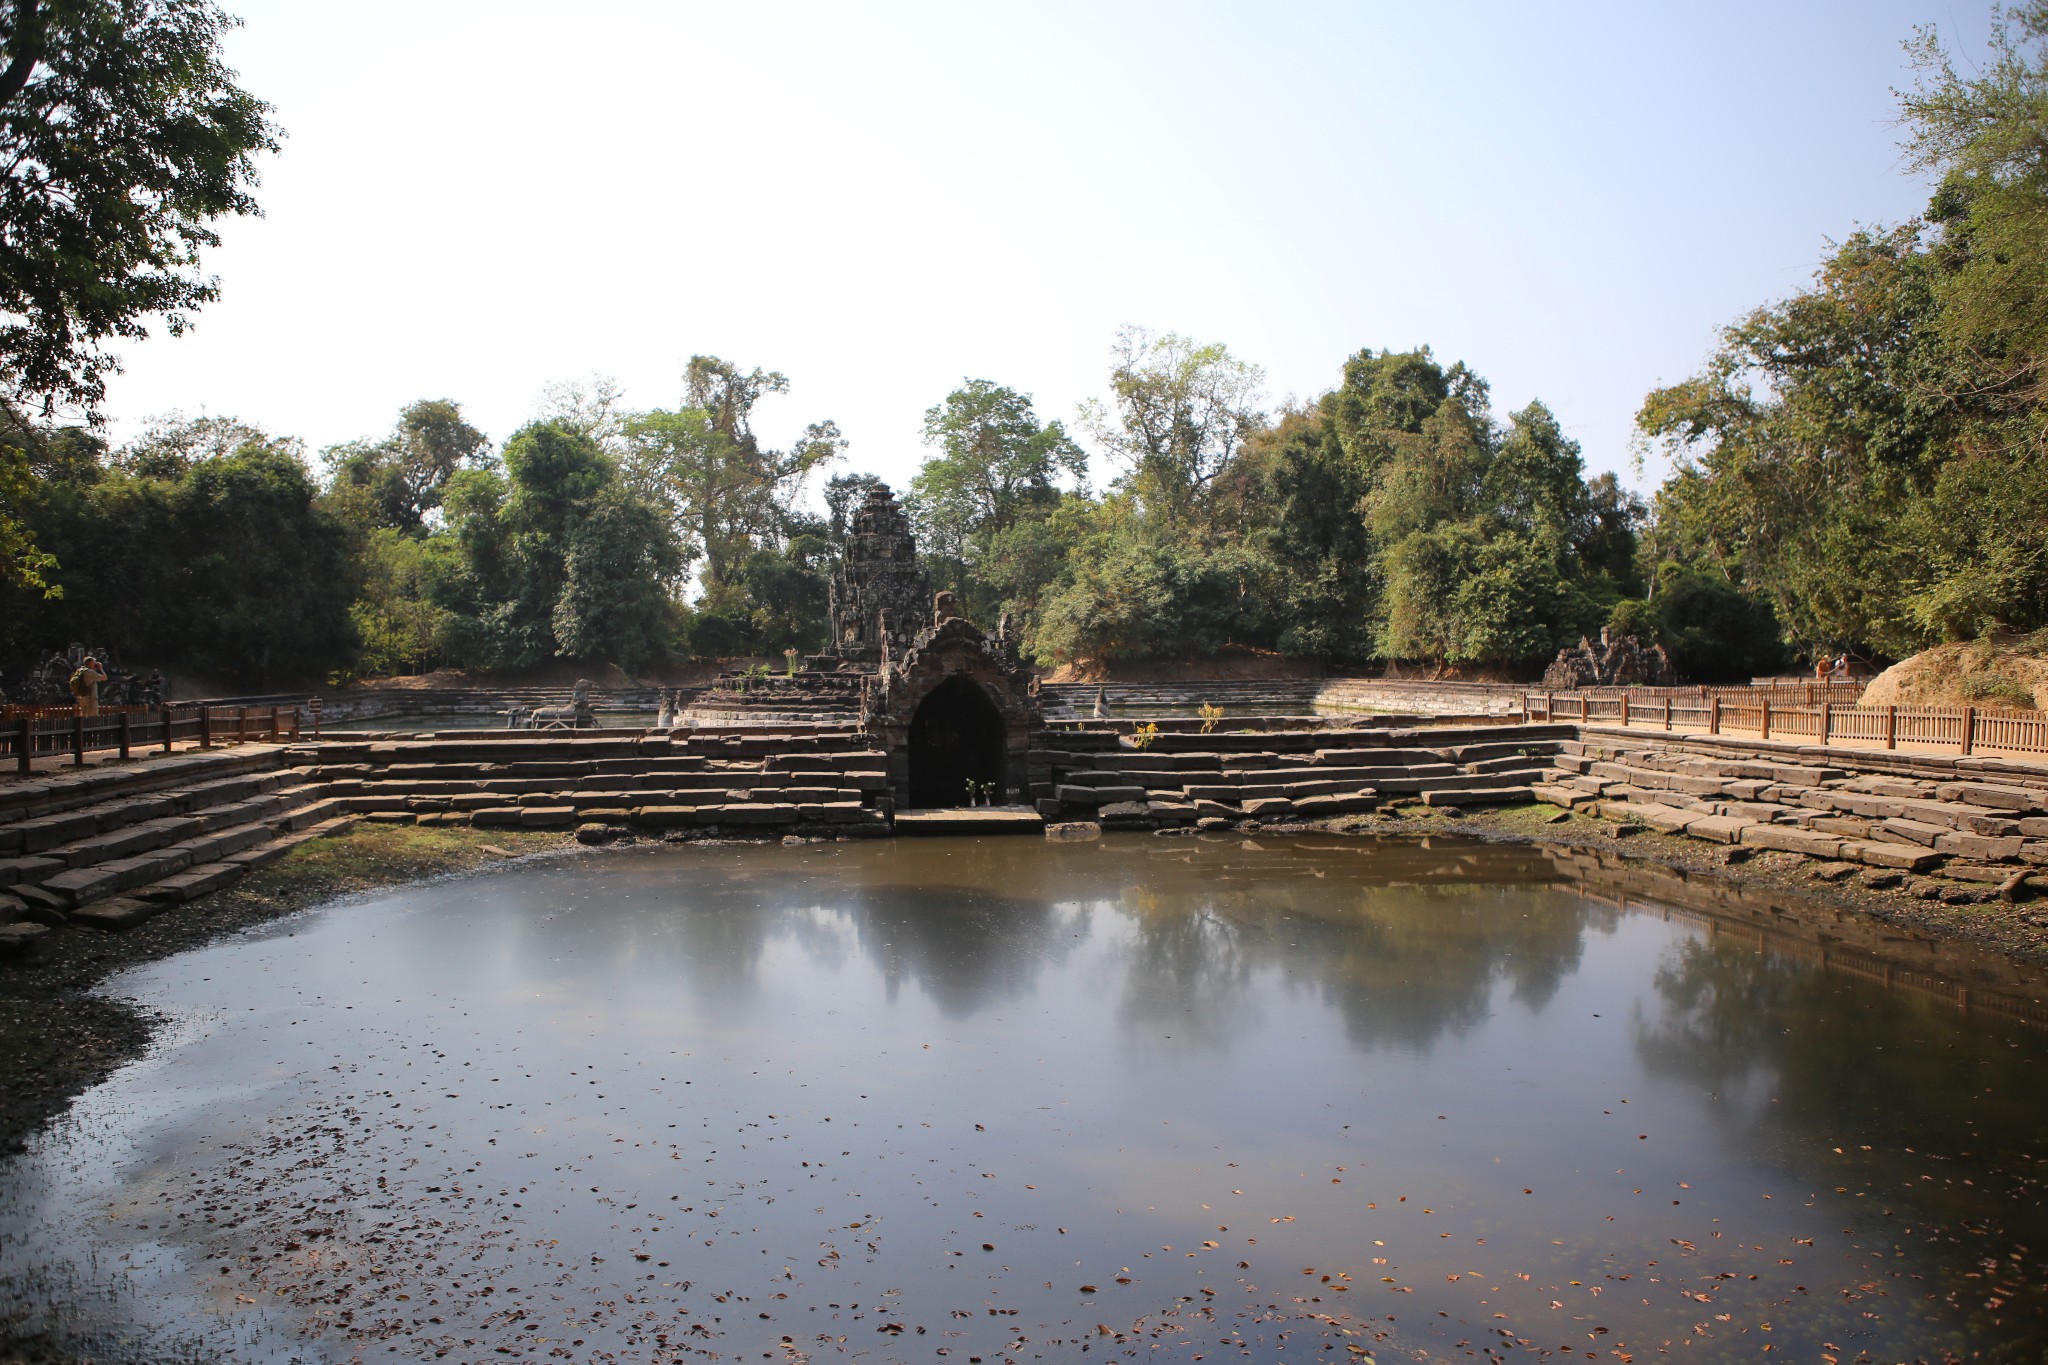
column 1341, row 803
column 832, row 812
column 79, row 885
column 1904, row 857
column 119, row 913
column 1792, row 840
column 1478, row 796
column 1720, row 829
column 1073, row 831
column 1098, row 796
column 1980, row 846
column 26, row 870
column 48, row 831
column 1913, row 831
column 2025, row 800
column 1267, row 807
column 547, row 817
column 1990, row 874
column 1667, row 819
column 748, row 813
column 188, row 885
column 21, row 935
column 496, row 817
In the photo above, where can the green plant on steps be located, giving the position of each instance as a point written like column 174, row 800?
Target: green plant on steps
column 1210, row 714
column 1142, row 737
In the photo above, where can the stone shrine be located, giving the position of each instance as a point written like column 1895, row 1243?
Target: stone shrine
column 1617, row 661
column 953, row 706
column 880, row 597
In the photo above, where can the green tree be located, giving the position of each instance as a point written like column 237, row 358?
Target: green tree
column 229, row 565
column 124, row 137
column 996, row 463
column 1178, row 414
column 400, row 481
column 727, row 494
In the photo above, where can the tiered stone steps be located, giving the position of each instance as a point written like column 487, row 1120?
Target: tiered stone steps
column 111, row 848
column 1274, row 696
column 821, row 780
column 1300, row 774
column 1922, row 816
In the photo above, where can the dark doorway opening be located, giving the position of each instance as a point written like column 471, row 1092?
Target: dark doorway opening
column 956, row 737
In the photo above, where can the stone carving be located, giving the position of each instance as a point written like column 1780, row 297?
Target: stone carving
column 577, row 715
column 1617, row 661
column 879, row 596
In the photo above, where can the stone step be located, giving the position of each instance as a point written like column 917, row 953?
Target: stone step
column 1462, row 782
column 1504, row 795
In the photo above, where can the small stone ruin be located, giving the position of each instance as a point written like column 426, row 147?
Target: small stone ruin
column 1617, row 661
column 953, row 706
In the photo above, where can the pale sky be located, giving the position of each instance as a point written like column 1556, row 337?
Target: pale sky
column 476, row 199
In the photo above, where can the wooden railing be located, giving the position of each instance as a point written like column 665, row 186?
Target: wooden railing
column 1745, row 711
column 31, row 732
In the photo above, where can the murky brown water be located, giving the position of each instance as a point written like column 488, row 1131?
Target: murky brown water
column 958, row 1100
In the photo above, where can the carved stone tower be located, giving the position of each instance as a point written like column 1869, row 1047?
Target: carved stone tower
column 880, row 597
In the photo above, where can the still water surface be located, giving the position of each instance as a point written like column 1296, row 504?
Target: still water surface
column 958, row 1100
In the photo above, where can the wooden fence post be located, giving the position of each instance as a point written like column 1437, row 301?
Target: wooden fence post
column 1766, row 723
column 25, row 743
column 1969, row 728
column 164, row 713
column 1549, row 705
column 1714, row 716
column 1827, row 721
column 276, row 723
column 205, row 726
column 1667, row 710
column 1891, row 727
column 127, row 733
column 78, row 737
column 1624, row 710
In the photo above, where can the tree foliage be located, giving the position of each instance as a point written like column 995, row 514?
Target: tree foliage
column 1870, row 455
column 124, row 138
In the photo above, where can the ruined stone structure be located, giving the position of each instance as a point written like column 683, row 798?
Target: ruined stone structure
column 880, row 597
column 1617, row 661
column 955, row 712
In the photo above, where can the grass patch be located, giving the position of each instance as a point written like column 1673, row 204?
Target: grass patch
column 374, row 855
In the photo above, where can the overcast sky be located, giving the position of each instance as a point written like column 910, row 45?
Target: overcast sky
column 476, row 199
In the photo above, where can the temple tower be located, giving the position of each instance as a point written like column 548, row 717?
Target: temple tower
column 880, row 598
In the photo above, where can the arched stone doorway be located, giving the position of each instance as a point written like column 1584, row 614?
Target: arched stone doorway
column 956, row 735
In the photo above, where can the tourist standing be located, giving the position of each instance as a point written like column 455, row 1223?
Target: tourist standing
column 85, row 686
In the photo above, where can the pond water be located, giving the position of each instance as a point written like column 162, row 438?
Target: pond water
column 979, row 1100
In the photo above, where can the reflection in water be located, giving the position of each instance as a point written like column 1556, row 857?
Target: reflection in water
column 947, row 1098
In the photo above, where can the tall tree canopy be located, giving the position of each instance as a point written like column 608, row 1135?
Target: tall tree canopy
column 1871, row 455
column 727, row 493
column 124, row 137
column 1179, row 412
